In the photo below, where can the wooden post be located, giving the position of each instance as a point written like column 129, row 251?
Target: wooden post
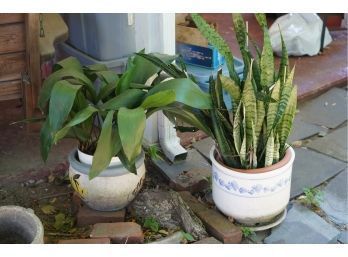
column 32, row 79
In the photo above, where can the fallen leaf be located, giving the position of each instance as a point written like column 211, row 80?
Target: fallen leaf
column 53, row 200
column 48, row 209
column 51, row 178
column 163, row 232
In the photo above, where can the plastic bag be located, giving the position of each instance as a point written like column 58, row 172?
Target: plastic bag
column 301, row 33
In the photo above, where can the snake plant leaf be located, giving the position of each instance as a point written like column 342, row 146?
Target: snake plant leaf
column 236, row 128
column 273, row 108
column 284, row 63
column 62, row 100
column 260, row 106
column 186, row 92
column 276, row 148
column 284, row 98
column 68, row 63
column 49, row 83
column 261, row 19
column 130, row 99
column 80, row 117
column 253, row 157
column 243, row 148
column 159, row 99
column 285, row 125
column 232, row 89
column 216, row 40
column 269, row 150
column 267, row 61
column 242, row 38
column 104, row 150
column 131, row 125
column 249, row 101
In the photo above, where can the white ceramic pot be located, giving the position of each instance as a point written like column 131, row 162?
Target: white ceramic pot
column 113, row 189
column 252, row 198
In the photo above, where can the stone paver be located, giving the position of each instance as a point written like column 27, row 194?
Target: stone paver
column 204, row 146
column 303, row 226
column 311, row 169
column 343, row 238
column 333, row 144
column 189, row 175
column 119, row 233
column 329, row 109
column 216, row 224
column 86, row 241
column 302, row 129
column 87, row 216
column 208, row 240
column 335, row 199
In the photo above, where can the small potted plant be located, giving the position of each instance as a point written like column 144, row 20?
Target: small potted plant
column 251, row 161
column 106, row 113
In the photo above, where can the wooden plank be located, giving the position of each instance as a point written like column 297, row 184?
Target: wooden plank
column 6, row 18
column 12, row 38
column 12, row 65
column 10, row 90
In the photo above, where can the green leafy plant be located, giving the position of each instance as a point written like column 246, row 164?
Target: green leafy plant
column 106, row 111
column 253, row 133
column 188, row 236
column 247, row 232
column 313, row 197
column 152, row 224
column 154, row 152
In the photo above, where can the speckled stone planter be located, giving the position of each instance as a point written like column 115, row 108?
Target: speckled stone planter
column 19, row 225
column 113, row 189
column 252, row 196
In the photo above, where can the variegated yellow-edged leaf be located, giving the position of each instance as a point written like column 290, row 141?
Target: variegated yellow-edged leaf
column 260, row 106
column 269, row 150
column 273, row 107
column 249, row 101
column 253, row 149
column 276, row 148
column 267, row 61
column 236, row 128
column 232, row 89
column 243, row 148
column 285, row 125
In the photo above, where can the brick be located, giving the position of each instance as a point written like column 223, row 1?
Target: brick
column 86, row 241
column 208, row 240
column 216, row 223
column 87, row 216
column 119, row 233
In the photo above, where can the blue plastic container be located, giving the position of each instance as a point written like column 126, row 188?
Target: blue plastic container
column 202, row 77
column 207, row 57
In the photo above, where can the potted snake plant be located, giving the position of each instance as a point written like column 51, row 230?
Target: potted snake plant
column 251, row 161
column 106, row 113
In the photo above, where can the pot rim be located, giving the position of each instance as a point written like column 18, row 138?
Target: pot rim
column 269, row 171
column 114, row 170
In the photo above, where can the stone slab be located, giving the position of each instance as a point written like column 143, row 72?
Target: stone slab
column 215, row 223
column 204, row 146
column 335, row 199
column 310, row 169
column 208, row 240
column 333, row 144
column 87, row 216
column 343, row 238
column 189, row 175
column 119, row 233
column 303, row 226
column 86, row 241
column 329, row 109
column 302, row 130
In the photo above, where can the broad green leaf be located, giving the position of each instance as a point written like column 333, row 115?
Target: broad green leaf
column 104, row 150
column 62, row 99
column 77, row 119
column 46, row 139
column 131, row 125
column 186, row 92
column 130, row 98
column 159, row 99
column 68, row 63
column 216, row 40
column 97, row 67
column 61, row 74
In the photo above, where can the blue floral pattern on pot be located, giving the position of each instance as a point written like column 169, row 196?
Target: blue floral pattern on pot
column 255, row 190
